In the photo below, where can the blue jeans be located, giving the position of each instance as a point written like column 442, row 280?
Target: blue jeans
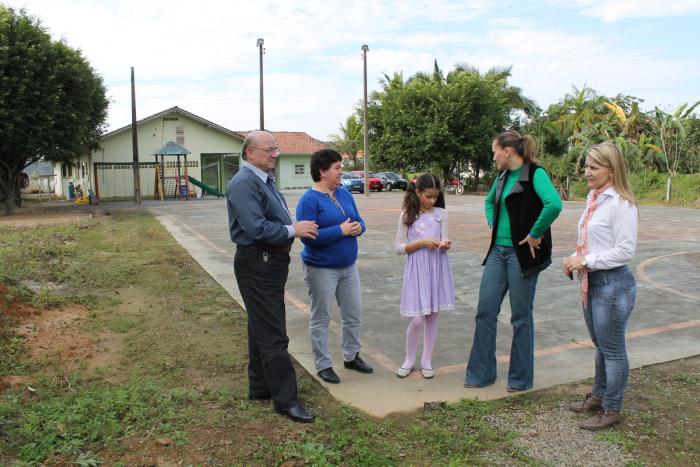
column 611, row 297
column 501, row 275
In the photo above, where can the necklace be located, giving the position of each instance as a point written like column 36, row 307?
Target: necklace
column 335, row 202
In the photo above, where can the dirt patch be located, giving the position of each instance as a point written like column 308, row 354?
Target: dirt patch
column 59, row 212
column 56, row 336
column 13, row 307
column 160, row 452
column 206, row 445
column 7, row 382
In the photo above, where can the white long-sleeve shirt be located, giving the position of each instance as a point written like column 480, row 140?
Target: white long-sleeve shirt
column 612, row 232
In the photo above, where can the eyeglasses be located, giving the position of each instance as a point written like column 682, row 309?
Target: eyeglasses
column 274, row 150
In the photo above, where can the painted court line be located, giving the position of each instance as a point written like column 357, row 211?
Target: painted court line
column 641, row 272
column 583, row 344
column 367, row 349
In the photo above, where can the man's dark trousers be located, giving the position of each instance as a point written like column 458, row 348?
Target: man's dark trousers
column 261, row 278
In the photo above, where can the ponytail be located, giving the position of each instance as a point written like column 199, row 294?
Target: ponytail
column 524, row 145
column 529, row 149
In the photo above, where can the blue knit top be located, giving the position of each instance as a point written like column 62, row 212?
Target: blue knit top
column 330, row 249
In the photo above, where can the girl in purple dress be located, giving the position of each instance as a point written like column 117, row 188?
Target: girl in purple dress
column 427, row 280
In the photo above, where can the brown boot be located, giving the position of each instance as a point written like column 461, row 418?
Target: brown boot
column 602, row 419
column 590, row 404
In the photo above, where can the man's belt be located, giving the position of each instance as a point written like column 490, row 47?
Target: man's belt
column 268, row 248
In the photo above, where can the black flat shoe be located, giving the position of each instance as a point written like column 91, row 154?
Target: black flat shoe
column 296, row 413
column 329, row 376
column 358, row 364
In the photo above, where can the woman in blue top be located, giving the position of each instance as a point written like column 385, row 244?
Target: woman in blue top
column 329, row 263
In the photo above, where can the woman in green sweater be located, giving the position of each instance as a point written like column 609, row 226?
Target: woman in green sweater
column 520, row 208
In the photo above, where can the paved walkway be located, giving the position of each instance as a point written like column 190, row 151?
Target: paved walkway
column 664, row 326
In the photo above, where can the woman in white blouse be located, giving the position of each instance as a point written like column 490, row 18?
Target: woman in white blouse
column 607, row 238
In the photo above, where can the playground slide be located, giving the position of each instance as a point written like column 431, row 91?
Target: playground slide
column 207, row 188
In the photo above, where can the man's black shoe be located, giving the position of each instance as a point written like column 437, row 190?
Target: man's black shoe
column 358, row 364
column 296, row 413
column 329, row 376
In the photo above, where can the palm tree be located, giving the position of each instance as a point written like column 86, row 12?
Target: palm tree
column 499, row 76
column 350, row 138
column 671, row 130
column 581, row 108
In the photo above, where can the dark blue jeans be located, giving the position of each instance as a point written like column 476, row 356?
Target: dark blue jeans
column 611, row 297
column 501, row 275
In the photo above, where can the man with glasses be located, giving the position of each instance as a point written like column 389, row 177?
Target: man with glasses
column 263, row 230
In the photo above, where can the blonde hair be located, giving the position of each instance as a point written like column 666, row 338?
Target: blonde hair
column 609, row 155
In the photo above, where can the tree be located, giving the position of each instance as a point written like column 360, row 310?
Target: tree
column 579, row 110
column 350, row 139
column 671, row 131
column 52, row 103
column 446, row 121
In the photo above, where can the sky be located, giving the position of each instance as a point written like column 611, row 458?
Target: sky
column 201, row 55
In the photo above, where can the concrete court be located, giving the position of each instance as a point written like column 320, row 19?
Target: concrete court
column 664, row 325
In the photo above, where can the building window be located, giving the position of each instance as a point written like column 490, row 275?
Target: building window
column 298, row 169
column 180, row 135
column 67, row 170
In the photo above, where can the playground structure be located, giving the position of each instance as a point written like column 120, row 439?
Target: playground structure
column 171, row 178
column 166, row 178
column 206, row 188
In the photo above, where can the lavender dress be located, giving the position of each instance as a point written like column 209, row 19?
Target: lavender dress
column 427, row 279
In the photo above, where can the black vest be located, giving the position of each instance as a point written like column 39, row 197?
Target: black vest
column 524, row 207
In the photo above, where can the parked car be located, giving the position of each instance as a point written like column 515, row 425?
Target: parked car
column 374, row 182
column 352, row 182
column 392, row 180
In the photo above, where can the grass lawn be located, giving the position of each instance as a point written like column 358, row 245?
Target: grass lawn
column 118, row 349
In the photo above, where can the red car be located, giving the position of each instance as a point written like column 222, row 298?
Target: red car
column 374, row 182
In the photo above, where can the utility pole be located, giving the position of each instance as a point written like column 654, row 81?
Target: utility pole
column 261, row 41
column 365, row 48
column 135, row 142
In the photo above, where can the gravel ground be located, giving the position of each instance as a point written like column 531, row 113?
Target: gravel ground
column 554, row 438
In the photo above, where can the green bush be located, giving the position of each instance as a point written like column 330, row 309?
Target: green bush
column 650, row 187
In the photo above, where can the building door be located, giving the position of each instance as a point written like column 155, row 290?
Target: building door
column 217, row 169
column 210, row 170
column 230, row 167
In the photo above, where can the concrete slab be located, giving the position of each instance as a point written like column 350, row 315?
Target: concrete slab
column 664, row 326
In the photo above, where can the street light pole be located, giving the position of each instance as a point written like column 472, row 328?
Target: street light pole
column 262, row 107
column 365, row 48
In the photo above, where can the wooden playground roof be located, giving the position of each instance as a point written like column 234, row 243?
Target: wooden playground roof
column 171, row 149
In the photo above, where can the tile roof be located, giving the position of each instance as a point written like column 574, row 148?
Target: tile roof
column 294, row 142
